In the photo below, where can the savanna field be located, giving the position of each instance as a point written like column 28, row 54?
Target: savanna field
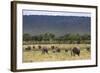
column 34, row 54
column 63, row 31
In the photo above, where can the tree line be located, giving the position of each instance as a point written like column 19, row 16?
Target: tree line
column 52, row 38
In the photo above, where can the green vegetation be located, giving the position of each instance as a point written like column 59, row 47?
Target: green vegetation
column 52, row 38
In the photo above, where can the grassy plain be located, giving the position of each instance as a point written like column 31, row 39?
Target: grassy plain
column 35, row 55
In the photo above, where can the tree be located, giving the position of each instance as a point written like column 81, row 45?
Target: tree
column 86, row 37
column 48, row 36
column 51, row 36
column 27, row 37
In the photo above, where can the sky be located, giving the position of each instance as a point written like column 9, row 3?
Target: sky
column 55, row 13
column 58, row 23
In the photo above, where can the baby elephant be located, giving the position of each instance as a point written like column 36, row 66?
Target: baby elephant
column 75, row 51
column 44, row 50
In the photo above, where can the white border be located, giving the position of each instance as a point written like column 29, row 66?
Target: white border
column 21, row 65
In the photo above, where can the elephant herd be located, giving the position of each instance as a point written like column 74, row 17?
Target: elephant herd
column 44, row 50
